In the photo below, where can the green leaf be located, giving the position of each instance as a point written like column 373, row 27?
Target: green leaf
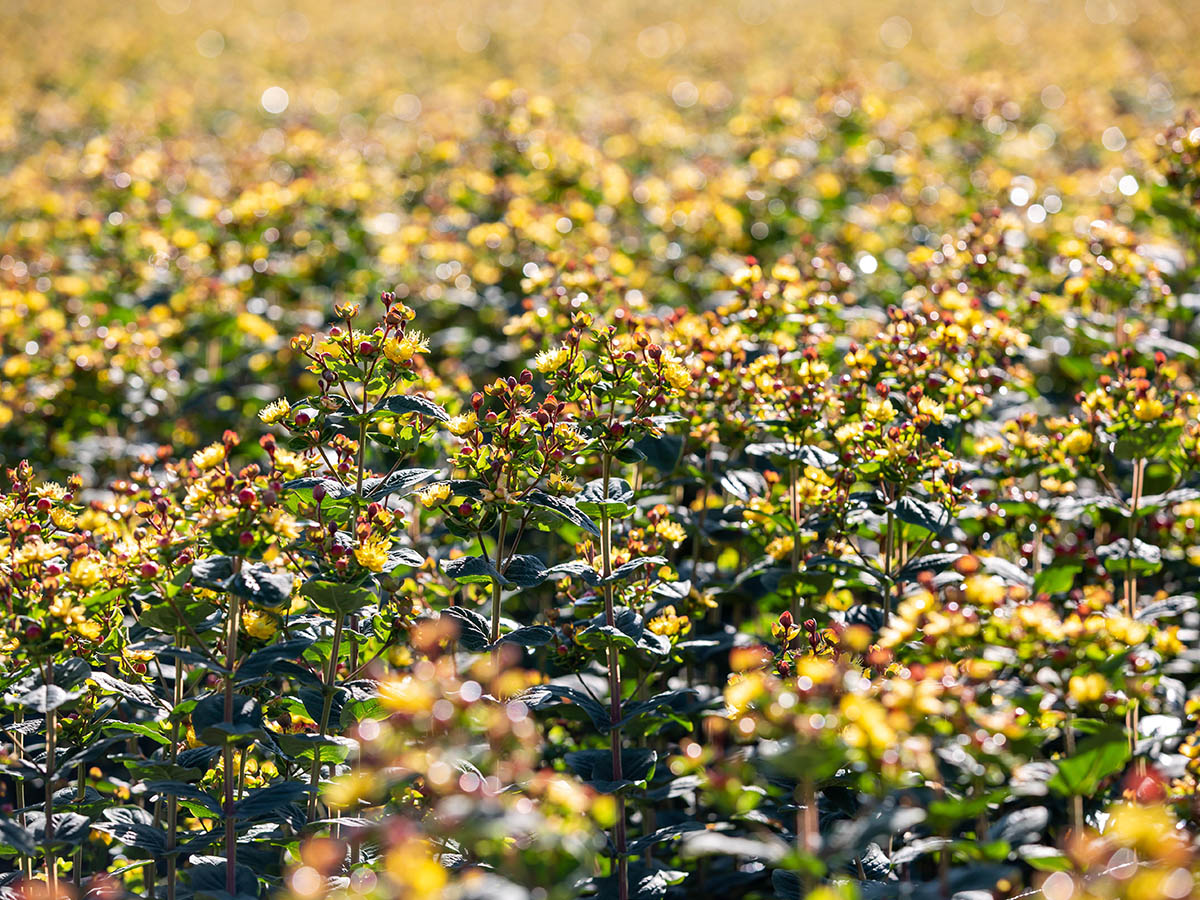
column 471, row 570
column 245, row 725
column 412, row 403
column 70, row 829
column 473, row 629
column 616, row 504
column 1097, row 756
column 1057, row 579
column 524, row 570
column 399, row 482
column 47, row 697
column 529, row 636
column 562, row 508
column 1141, row 557
column 336, row 597
column 595, row 767
column 145, row 731
column 631, row 568
column 921, row 513
column 804, row 454
column 185, row 791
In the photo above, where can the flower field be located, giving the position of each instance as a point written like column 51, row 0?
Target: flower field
column 536, row 451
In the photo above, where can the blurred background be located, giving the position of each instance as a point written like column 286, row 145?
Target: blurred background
column 184, row 184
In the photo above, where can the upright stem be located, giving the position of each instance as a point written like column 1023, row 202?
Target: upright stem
column 362, row 450
column 1132, row 716
column 1139, row 475
column 807, row 828
column 614, row 688
column 887, row 566
column 81, row 795
column 323, row 725
column 794, row 510
column 172, row 800
column 19, row 747
column 1076, row 799
column 497, row 587
column 51, row 729
column 235, row 605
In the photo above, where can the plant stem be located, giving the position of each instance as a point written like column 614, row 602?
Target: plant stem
column 235, row 606
column 19, row 747
column 51, row 728
column 794, row 509
column 1132, row 716
column 497, row 587
column 807, row 834
column 614, row 687
column 1076, row 799
column 323, row 725
column 887, row 566
column 81, row 795
column 172, row 800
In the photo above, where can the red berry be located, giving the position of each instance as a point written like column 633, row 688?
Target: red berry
column 246, row 496
column 149, row 569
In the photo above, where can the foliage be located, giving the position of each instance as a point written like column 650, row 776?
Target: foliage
column 760, row 490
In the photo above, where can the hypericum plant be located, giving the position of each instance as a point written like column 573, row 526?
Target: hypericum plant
column 621, row 385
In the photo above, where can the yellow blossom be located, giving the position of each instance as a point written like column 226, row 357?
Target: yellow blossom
column 461, row 424
column 552, row 360
column 210, row 456
column 372, row 553
column 432, row 495
column 275, row 412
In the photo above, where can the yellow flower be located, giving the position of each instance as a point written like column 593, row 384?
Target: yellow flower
column 984, row 590
column 275, row 412
column 1077, row 443
column 432, row 495
column 669, row 531
column 404, row 348
column 552, row 360
column 259, row 624
column 780, row 547
column 86, row 571
column 676, row 373
column 290, row 463
column 407, row 695
column 373, row 552
column 1147, row 409
column 929, row 407
column 210, row 456
column 462, row 424
column 1087, row 688
column 881, row 410
column 89, row 630
column 668, row 624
